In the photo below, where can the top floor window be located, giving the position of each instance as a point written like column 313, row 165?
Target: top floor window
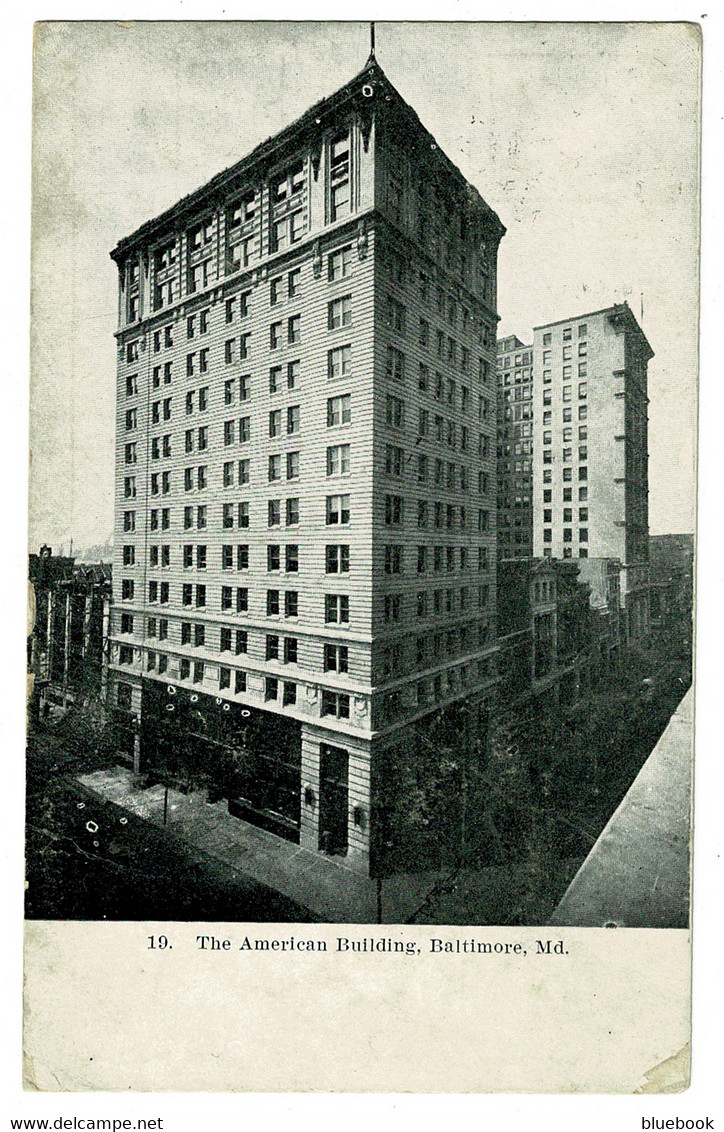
column 339, row 176
column 201, row 235
column 288, row 184
column 241, row 211
column 165, row 257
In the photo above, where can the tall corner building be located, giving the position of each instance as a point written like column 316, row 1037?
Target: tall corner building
column 590, row 459
column 515, row 448
column 305, row 468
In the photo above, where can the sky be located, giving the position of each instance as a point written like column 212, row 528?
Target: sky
column 582, row 137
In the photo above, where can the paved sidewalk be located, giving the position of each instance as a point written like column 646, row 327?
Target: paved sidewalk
column 325, row 887
column 637, row 873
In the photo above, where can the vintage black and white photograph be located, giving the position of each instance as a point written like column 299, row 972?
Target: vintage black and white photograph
column 362, row 499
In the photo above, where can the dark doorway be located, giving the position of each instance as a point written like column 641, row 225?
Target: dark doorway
column 333, row 795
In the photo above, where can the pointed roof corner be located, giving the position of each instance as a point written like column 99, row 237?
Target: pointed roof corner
column 371, row 57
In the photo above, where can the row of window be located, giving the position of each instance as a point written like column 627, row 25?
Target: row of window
column 444, row 304
column 567, row 495
column 566, row 334
column 336, row 557
column 567, row 454
column 566, row 393
column 396, row 368
column 400, row 657
column 433, row 513
column 337, row 511
column 567, row 474
column 567, row 534
column 339, row 265
column 336, row 606
column 444, row 475
column 567, row 552
column 335, row 657
column 567, row 515
column 443, row 601
column 338, row 365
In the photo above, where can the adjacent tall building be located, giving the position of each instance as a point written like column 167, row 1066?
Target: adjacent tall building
column 590, row 460
column 573, row 453
column 305, row 507
column 515, row 448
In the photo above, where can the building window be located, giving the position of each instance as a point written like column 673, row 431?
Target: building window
column 339, row 263
column 395, row 412
column 393, row 559
column 337, row 510
column 339, row 362
column 339, row 176
column 394, row 460
column 338, row 459
column 393, row 510
column 339, row 410
column 392, row 607
column 335, row 658
column 335, row 703
column 395, row 367
column 337, row 559
column 339, row 312
column 336, row 609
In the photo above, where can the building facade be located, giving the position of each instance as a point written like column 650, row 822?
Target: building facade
column 590, row 460
column 515, row 448
column 305, row 469
column 68, row 644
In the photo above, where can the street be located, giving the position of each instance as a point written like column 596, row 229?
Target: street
column 87, row 859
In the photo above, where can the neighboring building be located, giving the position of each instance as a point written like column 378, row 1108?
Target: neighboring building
column 66, row 649
column 556, row 638
column 590, row 461
column 515, row 448
column 305, row 532
column 671, row 569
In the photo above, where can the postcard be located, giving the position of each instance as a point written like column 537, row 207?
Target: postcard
column 361, row 553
